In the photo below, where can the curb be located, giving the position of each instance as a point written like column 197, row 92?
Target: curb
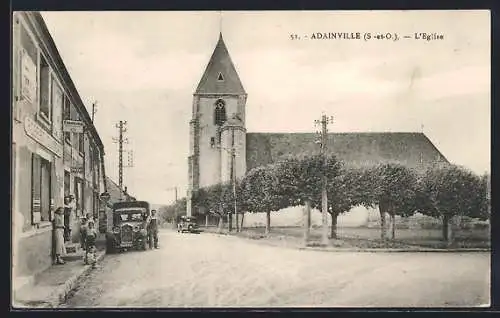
column 365, row 250
column 396, row 250
column 59, row 295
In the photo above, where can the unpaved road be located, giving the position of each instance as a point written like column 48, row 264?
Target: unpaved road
column 207, row 270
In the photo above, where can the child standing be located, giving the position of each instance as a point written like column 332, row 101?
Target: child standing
column 83, row 229
column 90, row 239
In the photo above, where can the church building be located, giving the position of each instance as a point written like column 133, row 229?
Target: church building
column 217, row 128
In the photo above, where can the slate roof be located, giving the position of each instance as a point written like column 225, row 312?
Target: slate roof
column 411, row 149
column 220, row 62
column 113, row 190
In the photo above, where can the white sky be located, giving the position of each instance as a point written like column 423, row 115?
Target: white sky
column 143, row 67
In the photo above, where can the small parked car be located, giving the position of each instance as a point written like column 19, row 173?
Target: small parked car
column 187, row 224
column 129, row 226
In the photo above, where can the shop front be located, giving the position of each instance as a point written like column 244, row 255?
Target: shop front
column 39, row 191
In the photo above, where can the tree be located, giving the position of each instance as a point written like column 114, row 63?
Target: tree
column 450, row 191
column 343, row 191
column 169, row 213
column 300, row 182
column 260, row 189
column 391, row 187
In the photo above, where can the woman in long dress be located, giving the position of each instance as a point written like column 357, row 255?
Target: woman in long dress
column 59, row 249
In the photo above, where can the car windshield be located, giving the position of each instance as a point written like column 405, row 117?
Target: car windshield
column 130, row 215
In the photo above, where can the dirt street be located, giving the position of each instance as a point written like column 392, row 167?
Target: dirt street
column 207, row 270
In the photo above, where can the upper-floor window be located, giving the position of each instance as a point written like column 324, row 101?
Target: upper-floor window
column 67, row 116
column 28, row 44
column 27, row 61
column 220, row 112
column 81, row 143
column 45, row 105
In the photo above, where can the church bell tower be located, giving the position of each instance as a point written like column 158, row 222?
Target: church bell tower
column 217, row 126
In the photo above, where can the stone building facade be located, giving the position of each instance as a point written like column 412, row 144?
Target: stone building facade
column 56, row 149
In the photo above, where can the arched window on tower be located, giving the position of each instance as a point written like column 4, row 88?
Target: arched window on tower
column 220, row 112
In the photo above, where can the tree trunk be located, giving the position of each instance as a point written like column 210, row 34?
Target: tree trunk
column 242, row 218
column 206, row 220
column 450, row 231
column 268, row 222
column 393, row 226
column 307, row 221
column 445, row 227
column 333, row 230
column 382, row 225
column 221, row 221
column 229, row 222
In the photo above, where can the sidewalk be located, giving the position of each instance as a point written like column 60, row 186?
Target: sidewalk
column 51, row 287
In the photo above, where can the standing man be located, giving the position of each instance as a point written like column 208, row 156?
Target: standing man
column 69, row 206
column 153, row 230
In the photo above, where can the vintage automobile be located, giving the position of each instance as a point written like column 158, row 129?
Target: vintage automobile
column 129, row 226
column 187, row 224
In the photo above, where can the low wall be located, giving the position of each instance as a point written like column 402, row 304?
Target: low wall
column 34, row 252
column 293, row 216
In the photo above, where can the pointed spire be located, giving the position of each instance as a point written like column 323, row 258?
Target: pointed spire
column 220, row 76
column 220, row 24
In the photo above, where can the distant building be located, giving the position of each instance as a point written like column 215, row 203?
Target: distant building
column 56, row 149
column 218, row 125
column 116, row 194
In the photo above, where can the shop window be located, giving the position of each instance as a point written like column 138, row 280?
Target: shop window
column 40, row 189
column 45, row 106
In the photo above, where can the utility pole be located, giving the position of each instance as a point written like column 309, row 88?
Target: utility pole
column 324, row 196
column 120, row 140
column 233, row 180
column 94, row 110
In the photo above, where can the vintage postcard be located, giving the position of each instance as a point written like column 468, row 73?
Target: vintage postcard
column 246, row 159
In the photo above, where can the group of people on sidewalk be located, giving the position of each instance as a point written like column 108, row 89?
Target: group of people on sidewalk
column 62, row 222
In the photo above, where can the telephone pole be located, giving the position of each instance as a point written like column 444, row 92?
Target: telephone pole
column 120, row 140
column 324, row 195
